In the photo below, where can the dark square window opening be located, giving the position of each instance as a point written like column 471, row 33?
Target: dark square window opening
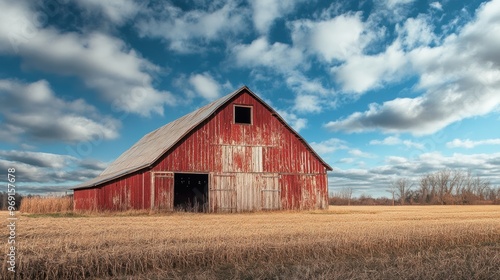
column 242, row 114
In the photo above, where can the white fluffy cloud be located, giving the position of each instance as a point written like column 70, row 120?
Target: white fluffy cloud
column 393, row 10
column 260, row 52
column 103, row 62
column 288, row 61
column 45, row 172
column 307, row 104
column 416, row 32
column 295, row 122
column 394, row 3
column 265, row 12
column 190, row 31
column 359, row 153
column 303, row 85
column 311, row 95
column 420, row 115
column 33, row 111
column 334, row 39
column 329, row 146
column 469, row 144
column 393, row 141
column 38, row 159
column 460, row 78
column 364, row 72
column 345, row 39
column 117, row 11
column 436, row 5
column 205, row 86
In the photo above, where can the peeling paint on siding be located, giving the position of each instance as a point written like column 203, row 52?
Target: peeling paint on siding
column 162, row 189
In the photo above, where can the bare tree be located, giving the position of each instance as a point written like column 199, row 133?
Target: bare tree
column 493, row 194
column 425, row 188
column 453, row 186
column 402, row 188
column 442, row 178
column 346, row 193
column 392, row 190
column 433, row 183
column 342, row 196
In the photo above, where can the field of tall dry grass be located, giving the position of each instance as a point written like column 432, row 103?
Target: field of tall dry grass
column 356, row 242
column 47, row 204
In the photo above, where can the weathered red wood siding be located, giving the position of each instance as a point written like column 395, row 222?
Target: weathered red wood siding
column 252, row 167
column 129, row 192
column 85, row 199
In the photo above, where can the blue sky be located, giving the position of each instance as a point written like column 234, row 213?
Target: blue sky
column 381, row 89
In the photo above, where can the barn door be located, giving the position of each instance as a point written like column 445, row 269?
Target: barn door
column 162, row 187
column 270, row 192
column 223, row 193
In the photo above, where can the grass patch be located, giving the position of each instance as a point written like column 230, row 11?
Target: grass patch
column 343, row 212
column 56, row 215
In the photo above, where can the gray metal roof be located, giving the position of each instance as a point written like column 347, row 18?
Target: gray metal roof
column 153, row 145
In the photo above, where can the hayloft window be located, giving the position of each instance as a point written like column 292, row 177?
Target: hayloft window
column 242, row 114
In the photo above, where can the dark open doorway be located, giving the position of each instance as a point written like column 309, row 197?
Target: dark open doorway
column 191, row 192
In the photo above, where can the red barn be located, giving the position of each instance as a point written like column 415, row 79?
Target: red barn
column 234, row 154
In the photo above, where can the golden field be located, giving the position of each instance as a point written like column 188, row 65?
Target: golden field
column 344, row 242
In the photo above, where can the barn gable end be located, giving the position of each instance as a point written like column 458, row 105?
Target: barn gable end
column 234, row 154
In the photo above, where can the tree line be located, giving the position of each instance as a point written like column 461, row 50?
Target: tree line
column 444, row 187
column 4, row 200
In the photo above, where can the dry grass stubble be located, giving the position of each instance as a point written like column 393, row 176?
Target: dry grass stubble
column 344, row 242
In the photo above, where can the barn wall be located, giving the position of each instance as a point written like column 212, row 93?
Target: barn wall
column 163, row 190
column 262, row 166
column 129, row 192
column 85, row 199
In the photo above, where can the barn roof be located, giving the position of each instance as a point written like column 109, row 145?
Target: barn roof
column 155, row 144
